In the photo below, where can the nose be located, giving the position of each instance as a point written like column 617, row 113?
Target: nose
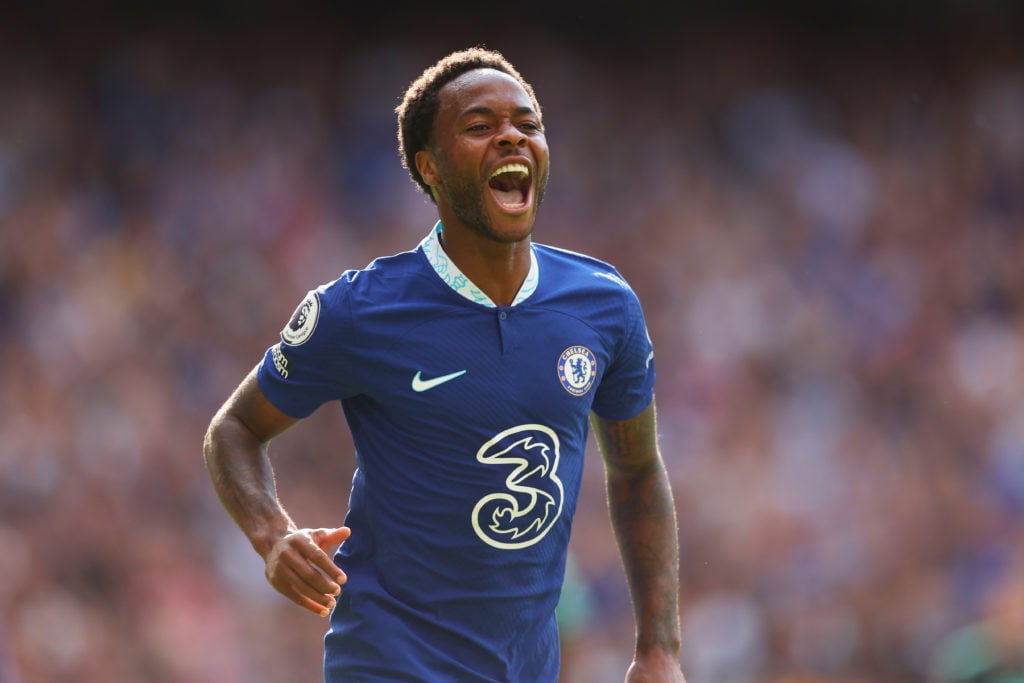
column 510, row 136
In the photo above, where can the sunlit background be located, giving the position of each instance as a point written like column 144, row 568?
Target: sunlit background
column 822, row 212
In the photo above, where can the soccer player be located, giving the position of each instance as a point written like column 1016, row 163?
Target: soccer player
column 469, row 370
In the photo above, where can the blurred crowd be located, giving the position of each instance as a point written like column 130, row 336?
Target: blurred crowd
column 826, row 228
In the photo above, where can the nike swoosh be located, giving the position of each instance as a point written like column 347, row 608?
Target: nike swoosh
column 420, row 384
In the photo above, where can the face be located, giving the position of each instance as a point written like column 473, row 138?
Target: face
column 488, row 165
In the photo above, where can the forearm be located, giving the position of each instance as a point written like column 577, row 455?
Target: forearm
column 643, row 519
column 242, row 475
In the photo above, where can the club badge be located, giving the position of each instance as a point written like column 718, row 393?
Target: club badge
column 577, row 370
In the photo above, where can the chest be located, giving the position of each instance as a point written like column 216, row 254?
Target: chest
column 495, row 367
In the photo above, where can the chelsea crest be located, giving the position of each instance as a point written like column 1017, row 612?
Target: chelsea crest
column 577, row 370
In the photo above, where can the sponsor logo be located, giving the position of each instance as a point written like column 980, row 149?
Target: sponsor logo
column 419, row 384
column 577, row 370
column 280, row 361
column 525, row 510
column 303, row 321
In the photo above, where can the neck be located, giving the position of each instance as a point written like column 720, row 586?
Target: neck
column 497, row 268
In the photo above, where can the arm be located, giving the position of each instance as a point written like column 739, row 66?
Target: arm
column 236, row 452
column 643, row 519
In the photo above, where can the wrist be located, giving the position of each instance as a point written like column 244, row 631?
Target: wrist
column 667, row 646
column 265, row 537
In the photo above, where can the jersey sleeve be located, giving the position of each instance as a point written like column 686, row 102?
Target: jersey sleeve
column 307, row 368
column 627, row 387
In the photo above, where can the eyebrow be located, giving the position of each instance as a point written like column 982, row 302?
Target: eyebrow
column 519, row 111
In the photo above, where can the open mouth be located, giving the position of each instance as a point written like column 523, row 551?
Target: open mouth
column 510, row 185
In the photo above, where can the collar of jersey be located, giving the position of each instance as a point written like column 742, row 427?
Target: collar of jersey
column 455, row 279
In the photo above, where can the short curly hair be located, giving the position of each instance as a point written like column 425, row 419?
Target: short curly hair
column 420, row 104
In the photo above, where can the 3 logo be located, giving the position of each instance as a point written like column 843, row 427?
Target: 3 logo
column 527, row 508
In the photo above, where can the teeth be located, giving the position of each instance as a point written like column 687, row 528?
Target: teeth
column 521, row 169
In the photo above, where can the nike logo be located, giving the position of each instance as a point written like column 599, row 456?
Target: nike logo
column 420, row 384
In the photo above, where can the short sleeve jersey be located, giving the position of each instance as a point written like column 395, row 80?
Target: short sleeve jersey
column 470, row 423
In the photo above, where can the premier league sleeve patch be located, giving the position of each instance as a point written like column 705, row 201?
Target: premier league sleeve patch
column 577, row 370
column 303, row 321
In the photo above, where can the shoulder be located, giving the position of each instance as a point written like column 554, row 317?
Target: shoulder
column 569, row 273
column 569, row 258
column 585, row 269
column 383, row 271
column 356, row 292
column 384, row 278
column 590, row 290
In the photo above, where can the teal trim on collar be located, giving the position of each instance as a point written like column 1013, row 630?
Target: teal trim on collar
column 455, row 279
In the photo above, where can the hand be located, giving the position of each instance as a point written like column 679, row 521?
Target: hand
column 655, row 666
column 299, row 568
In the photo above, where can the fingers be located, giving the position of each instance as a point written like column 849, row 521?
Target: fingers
column 294, row 589
column 299, row 568
column 324, row 539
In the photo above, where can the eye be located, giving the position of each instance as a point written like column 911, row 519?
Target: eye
column 477, row 128
column 530, row 126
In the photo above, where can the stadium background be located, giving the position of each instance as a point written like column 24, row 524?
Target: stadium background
column 822, row 210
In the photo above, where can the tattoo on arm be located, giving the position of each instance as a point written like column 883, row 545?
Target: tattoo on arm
column 240, row 469
column 643, row 518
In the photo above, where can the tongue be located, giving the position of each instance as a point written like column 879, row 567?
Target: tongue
column 512, row 197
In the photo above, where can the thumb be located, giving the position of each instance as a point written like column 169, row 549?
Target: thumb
column 329, row 537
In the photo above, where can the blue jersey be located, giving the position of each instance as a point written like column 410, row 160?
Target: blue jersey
column 470, row 424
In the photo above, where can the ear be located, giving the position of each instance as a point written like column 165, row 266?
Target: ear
column 426, row 164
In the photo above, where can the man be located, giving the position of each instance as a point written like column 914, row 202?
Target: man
column 467, row 370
